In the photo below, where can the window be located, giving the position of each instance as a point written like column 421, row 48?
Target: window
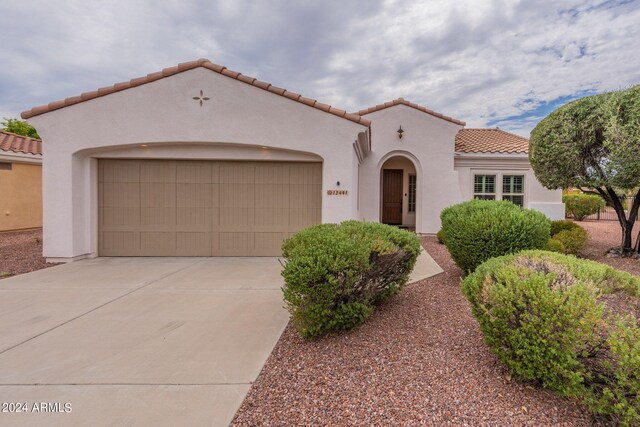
column 513, row 189
column 484, row 187
column 412, row 193
column 5, row 166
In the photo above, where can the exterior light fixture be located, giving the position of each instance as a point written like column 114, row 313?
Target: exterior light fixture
column 400, row 132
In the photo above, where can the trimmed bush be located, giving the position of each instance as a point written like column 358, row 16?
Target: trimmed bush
column 477, row 230
column 439, row 237
column 581, row 206
column 570, row 325
column 554, row 245
column 336, row 273
column 568, row 237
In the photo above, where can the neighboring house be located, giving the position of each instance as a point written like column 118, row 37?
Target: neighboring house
column 20, row 182
column 198, row 160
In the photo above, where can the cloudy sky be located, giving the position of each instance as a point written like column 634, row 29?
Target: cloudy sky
column 504, row 63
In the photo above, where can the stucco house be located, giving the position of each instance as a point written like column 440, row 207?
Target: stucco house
column 199, row 160
column 20, row 182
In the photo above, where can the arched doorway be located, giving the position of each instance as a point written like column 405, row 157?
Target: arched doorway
column 399, row 192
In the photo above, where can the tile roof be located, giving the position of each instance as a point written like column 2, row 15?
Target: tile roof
column 19, row 144
column 490, row 141
column 185, row 66
column 402, row 101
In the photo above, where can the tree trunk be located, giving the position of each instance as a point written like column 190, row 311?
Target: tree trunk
column 626, row 223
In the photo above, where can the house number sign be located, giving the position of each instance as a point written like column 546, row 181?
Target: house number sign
column 337, row 192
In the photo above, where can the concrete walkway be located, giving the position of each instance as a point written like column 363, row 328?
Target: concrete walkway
column 141, row 341
column 137, row 341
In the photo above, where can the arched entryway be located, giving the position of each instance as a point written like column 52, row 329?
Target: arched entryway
column 399, row 192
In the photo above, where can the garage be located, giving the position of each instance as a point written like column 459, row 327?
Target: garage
column 204, row 208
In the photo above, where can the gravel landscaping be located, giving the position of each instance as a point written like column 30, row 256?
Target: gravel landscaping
column 603, row 235
column 21, row 252
column 419, row 360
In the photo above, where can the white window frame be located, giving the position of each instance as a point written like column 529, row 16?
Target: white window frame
column 505, row 196
column 483, row 194
column 499, row 174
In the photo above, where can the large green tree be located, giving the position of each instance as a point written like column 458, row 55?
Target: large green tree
column 593, row 144
column 19, row 127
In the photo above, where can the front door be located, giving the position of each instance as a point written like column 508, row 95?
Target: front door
column 392, row 196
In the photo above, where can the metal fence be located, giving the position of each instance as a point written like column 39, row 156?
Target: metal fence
column 609, row 214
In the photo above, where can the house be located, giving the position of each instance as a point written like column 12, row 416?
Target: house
column 20, row 182
column 199, row 160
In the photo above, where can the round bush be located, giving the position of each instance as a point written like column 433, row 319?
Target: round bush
column 439, row 237
column 336, row 273
column 569, row 324
column 477, row 230
column 567, row 237
column 554, row 245
column 581, row 206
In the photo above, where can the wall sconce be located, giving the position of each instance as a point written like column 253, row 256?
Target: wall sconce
column 400, row 132
column 338, row 183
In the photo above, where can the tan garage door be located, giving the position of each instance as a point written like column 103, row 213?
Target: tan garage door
column 204, row 208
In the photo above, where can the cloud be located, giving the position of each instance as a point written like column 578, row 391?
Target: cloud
column 491, row 62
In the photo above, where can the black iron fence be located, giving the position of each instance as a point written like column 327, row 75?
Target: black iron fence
column 609, row 214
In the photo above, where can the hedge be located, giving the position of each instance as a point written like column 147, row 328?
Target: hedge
column 477, row 230
column 335, row 274
column 570, row 325
column 581, row 206
column 567, row 237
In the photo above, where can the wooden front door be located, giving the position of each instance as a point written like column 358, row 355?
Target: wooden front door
column 392, row 196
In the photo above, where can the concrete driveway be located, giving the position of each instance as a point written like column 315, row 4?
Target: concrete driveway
column 137, row 341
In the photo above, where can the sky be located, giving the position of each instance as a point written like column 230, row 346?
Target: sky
column 491, row 63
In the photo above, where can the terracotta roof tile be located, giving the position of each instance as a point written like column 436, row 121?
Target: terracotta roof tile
column 19, row 144
column 490, row 141
column 402, row 101
column 185, row 66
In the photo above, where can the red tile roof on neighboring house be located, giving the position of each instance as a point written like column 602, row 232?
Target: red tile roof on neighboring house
column 19, row 144
column 185, row 66
column 490, row 141
column 402, row 101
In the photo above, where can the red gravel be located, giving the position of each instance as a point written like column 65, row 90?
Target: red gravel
column 419, row 360
column 603, row 235
column 21, row 252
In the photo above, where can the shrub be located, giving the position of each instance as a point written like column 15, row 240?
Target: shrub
column 570, row 235
column 581, row 206
column 477, row 230
column 554, row 245
column 571, row 325
column 565, row 224
column 439, row 237
column 336, row 273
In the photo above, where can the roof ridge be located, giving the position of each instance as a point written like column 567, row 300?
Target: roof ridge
column 186, row 66
column 402, row 101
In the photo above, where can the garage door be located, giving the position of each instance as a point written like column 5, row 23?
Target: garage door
column 204, row 208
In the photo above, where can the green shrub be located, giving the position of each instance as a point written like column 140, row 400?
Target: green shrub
column 439, row 237
column 554, row 245
column 568, row 324
column 335, row 273
column 565, row 224
column 477, row 230
column 581, row 206
column 569, row 235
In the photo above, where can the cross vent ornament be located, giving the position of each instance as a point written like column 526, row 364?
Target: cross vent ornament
column 201, row 98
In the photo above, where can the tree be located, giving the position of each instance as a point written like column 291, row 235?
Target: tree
column 593, row 144
column 19, row 127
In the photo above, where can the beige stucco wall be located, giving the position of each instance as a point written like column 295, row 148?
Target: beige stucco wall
column 21, row 197
column 536, row 196
column 428, row 143
column 163, row 116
